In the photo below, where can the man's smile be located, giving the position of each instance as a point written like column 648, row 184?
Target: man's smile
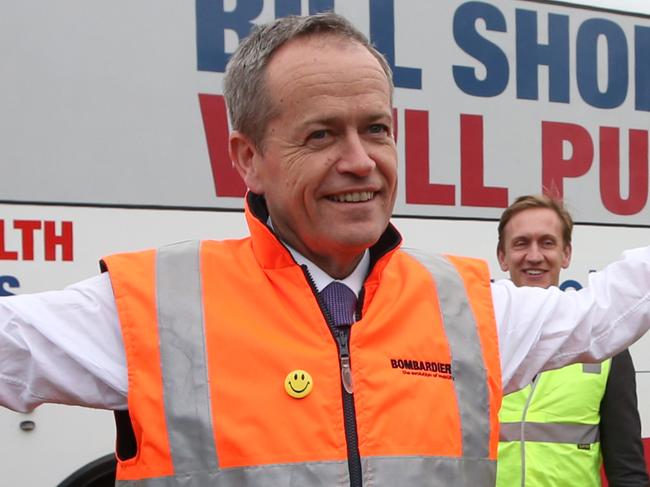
column 353, row 197
column 534, row 272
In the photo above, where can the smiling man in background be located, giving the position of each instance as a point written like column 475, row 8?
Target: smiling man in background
column 558, row 430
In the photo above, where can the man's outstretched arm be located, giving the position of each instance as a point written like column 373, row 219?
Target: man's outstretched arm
column 66, row 346
column 62, row 347
column 542, row 329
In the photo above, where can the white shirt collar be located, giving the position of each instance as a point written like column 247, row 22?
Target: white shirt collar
column 321, row 278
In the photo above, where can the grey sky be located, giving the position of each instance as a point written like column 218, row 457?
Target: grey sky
column 641, row 6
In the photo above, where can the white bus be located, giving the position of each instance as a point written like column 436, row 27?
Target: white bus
column 113, row 132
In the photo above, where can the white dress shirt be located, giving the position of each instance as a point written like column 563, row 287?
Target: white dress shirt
column 321, row 278
column 66, row 346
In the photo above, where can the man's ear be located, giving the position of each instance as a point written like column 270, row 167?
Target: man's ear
column 246, row 158
column 501, row 256
column 566, row 260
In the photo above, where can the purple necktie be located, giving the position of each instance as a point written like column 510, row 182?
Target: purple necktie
column 341, row 303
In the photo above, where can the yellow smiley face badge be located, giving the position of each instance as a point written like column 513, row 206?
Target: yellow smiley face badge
column 298, row 384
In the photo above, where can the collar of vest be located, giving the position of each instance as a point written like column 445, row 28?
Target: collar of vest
column 272, row 254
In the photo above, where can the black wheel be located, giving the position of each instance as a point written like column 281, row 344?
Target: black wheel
column 98, row 473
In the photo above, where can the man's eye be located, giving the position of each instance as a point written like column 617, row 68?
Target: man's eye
column 378, row 128
column 318, row 135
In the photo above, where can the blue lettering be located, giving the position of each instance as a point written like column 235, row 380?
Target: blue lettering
column 481, row 49
column 212, row 21
column 531, row 54
column 284, row 8
column 570, row 284
column 587, row 67
column 642, row 67
column 382, row 35
column 8, row 281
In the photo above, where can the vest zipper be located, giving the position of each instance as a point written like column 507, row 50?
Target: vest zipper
column 341, row 335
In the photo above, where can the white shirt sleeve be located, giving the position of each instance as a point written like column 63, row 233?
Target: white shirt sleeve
column 541, row 329
column 62, row 347
column 66, row 346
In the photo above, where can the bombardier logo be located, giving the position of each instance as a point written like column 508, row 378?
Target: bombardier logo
column 441, row 370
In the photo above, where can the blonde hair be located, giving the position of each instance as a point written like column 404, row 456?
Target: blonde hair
column 528, row 202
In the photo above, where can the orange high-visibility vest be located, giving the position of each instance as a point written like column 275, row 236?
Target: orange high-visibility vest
column 211, row 329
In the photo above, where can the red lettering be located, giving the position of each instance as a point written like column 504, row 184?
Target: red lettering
column 418, row 188
column 554, row 167
column 4, row 253
column 27, row 228
column 473, row 191
column 52, row 240
column 610, row 171
column 227, row 181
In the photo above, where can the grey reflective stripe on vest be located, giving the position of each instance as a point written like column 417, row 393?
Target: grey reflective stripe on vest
column 383, row 472
column 430, row 472
column 467, row 364
column 591, row 368
column 183, row 358
column 316, row 474
column 570, row 433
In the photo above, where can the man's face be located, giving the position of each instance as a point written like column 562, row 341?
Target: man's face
column 327, row 166
column 534, row 252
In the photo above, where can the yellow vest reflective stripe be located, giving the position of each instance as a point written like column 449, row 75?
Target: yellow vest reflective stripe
column 549, row 433
column 578, row 434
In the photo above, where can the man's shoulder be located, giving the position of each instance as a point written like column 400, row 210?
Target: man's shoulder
column 472, row 270
column 424, row 255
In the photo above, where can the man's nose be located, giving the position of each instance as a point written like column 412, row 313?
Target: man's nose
column 355, row 157
column 534, row 254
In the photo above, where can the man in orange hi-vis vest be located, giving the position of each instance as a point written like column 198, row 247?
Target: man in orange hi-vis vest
column 316, row 351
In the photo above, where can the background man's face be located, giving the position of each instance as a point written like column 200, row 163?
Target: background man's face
column 534, row 251
column 328, row 166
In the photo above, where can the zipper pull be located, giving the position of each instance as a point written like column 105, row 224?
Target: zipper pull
column 343, row 337
column 346, row 374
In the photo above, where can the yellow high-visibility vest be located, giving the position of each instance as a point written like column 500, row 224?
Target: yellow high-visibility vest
column 549, row 431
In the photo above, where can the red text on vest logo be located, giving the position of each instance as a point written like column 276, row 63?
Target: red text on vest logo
column 54, row 238
column 422, row 367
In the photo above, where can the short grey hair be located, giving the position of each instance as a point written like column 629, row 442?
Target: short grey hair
column 250, row 105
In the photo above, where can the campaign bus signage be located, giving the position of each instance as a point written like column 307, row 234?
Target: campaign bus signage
column 493, row 99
